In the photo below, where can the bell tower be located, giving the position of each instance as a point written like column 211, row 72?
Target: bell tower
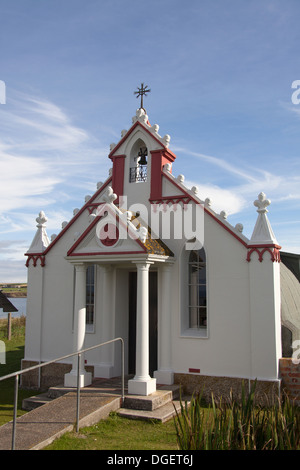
column 138, row 159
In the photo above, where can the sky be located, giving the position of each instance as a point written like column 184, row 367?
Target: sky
column 221, row 74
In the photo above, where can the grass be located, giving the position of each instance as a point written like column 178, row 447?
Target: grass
column 116, row 433
column 241, row 426
column 14, row 354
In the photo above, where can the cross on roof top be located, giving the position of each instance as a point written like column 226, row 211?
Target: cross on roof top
column 141, row 92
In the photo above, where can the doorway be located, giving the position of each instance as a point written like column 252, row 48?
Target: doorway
column 152, row 322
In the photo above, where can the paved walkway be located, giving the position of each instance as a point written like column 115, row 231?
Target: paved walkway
column 39, row 427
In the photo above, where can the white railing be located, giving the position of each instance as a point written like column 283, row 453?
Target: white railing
column 78, row 353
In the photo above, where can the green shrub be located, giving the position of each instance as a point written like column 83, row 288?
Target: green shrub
column 238, row 425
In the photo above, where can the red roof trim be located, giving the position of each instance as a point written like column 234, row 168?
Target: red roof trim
column 85, row 233
column 205, row 209
column 137, row 123
column 96, row 253
column 86, row 205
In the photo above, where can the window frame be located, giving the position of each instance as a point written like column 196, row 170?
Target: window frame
column 90, row 306
column 186, row 328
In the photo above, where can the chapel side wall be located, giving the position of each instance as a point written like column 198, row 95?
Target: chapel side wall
column 34, row 311
column 57, row 337
column 55, row 333
column 226, row 350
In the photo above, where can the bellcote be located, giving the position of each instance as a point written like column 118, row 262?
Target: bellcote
column 138, row 159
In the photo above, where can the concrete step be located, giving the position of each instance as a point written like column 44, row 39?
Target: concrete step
column 162, row 414
column 31, row 403
column 163, row 395
column 160, row 405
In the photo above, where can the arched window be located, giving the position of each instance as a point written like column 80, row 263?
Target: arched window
column 197, row 289
column 138, row 162
column 90, row 298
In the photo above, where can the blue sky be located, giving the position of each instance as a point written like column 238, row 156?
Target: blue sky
column 220, row 73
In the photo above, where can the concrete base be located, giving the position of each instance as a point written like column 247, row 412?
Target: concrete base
column 85, row 379
column 141, row 386
column 165, row 377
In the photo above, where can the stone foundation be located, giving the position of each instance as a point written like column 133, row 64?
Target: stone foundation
column 290, row 377
column 226, row 387
column 50, row 375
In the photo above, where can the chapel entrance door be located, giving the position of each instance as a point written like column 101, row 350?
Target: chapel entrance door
column 152, row 322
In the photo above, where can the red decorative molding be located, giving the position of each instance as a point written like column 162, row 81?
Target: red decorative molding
column 35, row 257
column 72, row 250
column 90, row 206
column 158, row 159
column 273, row 250
column 192, row 198
column 105, row 232
column 195, row 371
column 185, row 199
column 136, row 124
column 118, row 175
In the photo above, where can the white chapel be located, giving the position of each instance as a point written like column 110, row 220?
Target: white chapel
column 148, row 259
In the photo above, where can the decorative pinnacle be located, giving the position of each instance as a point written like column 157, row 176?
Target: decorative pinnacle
column 41, row 219
column 262, row 203
column 141, row 92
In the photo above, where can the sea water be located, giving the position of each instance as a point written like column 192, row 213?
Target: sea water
column 19, row 303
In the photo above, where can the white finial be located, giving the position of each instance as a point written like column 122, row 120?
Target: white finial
column 180, row 178
column 99, row 184
column 262, row 203
column 194, row 189
column 75, row 211
column 112, row 146
column 109, row 196
column 40, row 241
column 166, row 140
column 155, row 128
column 143, row 234
column 123, row 133
column 239, row 227
column 223, row 214
column 208, row 202
column 53, row 236
column 87, row 198
column 262, row 233
column 167, row 167
column 92, row 217
column 64, row 224
column 41, row 219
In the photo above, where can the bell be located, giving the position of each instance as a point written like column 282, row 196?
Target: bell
column 142, row 154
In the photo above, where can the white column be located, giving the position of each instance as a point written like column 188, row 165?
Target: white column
column 106, row 365
column 142, row 383
column 165, row 374
column 79, row 329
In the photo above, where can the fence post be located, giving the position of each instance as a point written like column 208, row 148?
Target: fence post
column 9, row 326
column 15, row 412
column 78, row 393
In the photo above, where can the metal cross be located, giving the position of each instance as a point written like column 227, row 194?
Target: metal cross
column 141, row 92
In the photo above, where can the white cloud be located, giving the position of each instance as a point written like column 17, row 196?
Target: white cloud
column 244, row 184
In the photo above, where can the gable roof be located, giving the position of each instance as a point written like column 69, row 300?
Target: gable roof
column 141, row 120
column 187, row 195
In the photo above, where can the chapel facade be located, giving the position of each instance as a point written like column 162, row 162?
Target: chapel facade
column 147, row 259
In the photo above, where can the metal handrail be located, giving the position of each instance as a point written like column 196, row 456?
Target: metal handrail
column 77, row 353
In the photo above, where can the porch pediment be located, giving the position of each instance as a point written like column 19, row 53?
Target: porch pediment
column 112, row 232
